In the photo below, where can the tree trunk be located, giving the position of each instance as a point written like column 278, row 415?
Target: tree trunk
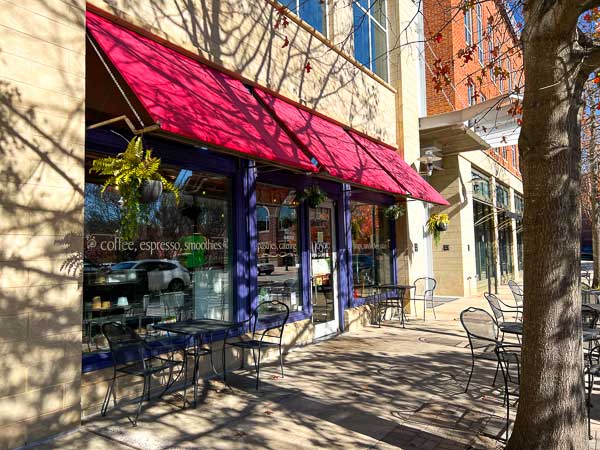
column 595, row 244
column 551, row 413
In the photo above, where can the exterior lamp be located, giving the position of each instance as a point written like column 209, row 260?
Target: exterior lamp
column 429, row 158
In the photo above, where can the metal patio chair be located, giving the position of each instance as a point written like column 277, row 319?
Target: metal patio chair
column 424, row 289
column 517, row 292
column 509, row 360
column 482, row 331
column 266, row 323
column 131, row 355
column 499, row 308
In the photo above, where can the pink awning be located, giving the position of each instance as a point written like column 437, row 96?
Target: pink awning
column 340, row 155
column 416, row 186
column 193, row 100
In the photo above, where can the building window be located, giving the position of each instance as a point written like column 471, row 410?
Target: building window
column 504, row 153
column 263, row 218
column 370, row 35
column 510, row 76
column 371, row 248
column 490, row 37
column 177, row 268
column 471, row 95
column 501, row 84
column 514, row 156
column 313, row 12
column 481, row 186
column 278, row 260
column 479, row 18
column 468, row 27
column 501, row 197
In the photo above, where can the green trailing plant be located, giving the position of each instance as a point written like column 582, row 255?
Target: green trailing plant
column 394, row 212
column 313, row 195
column 436, row 224
column 127, row 172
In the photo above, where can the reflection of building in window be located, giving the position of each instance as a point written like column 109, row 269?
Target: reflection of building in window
column 287, row 217
column 313, row 12
column 262, row 218
column 177, row 268
column 371, row 256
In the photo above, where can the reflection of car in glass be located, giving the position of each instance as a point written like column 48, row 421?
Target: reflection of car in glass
column 265, row 268
column 162, row 274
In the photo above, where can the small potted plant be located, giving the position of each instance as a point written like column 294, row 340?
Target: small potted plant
column 135, row 174
column 394, row 212
column 436, row 224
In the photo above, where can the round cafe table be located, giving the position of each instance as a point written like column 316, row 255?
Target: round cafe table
column 589, row 334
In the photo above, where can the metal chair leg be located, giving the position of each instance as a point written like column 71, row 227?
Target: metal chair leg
column 107, row 396
column 496, row 374
column 258, row 370
column 470, row 375
column 281, row 360
column 139, row 408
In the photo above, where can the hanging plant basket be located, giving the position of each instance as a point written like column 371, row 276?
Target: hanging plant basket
column 436, row 224
column 135, row 174
column 313, row 195
column 394, row 212
column 150, row 191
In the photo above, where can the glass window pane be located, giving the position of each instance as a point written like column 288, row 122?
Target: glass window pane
column 380, row 66
column 177, row 268
column 361, row 36
column 277, row 250
column 371, row 255
column 378, row 12
column 313, row 12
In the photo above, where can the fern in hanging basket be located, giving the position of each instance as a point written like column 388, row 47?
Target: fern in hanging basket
column 131, row 173
column 394, row 212
column 436, row 224
column 313, row 195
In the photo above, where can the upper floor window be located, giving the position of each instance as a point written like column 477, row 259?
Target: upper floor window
column 490, row 38
column 471, row 95
column 501, row 197
column 313, row 12
column 481, row 186
column 514, row 156
column 468, row 28
column 510, row 75
column 479, row 16
column 370, row 35
column 502, row 76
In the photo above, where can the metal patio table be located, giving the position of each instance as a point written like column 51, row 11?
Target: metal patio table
column 398, row 298
column 589, row 334
column 197, row 329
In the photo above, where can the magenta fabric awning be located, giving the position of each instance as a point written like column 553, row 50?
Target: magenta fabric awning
column 193, row 100
column 410, row 180
column 333, row 148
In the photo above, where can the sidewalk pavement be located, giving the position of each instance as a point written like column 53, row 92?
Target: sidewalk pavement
column 377, row 388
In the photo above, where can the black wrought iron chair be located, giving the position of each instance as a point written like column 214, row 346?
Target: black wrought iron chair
column 589, row 317
column 482, row 331
column 266, row 323
column 591, row 370
column 517, row 292
column 499, row 308
column 509, row 360
column 392, row 297
column 131, row 355
column 424, row 289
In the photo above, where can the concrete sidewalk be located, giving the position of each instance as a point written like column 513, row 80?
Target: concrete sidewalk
column 378, row 388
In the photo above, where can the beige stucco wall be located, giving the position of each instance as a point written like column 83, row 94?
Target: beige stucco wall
column 239, row 35
column 455, row 268
column 42, row 91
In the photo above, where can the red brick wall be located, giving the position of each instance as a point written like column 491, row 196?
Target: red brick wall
column 446, row 15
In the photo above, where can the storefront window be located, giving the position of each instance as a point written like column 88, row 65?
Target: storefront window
column 484, row 261
column 519, row 224
column 371, row 248
column 501, row 196
column 278, row 259
column 177, row 268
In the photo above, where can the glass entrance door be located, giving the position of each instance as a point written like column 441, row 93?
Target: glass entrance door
column 323, row 272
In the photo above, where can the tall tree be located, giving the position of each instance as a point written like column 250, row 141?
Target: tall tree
column 558, row 59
